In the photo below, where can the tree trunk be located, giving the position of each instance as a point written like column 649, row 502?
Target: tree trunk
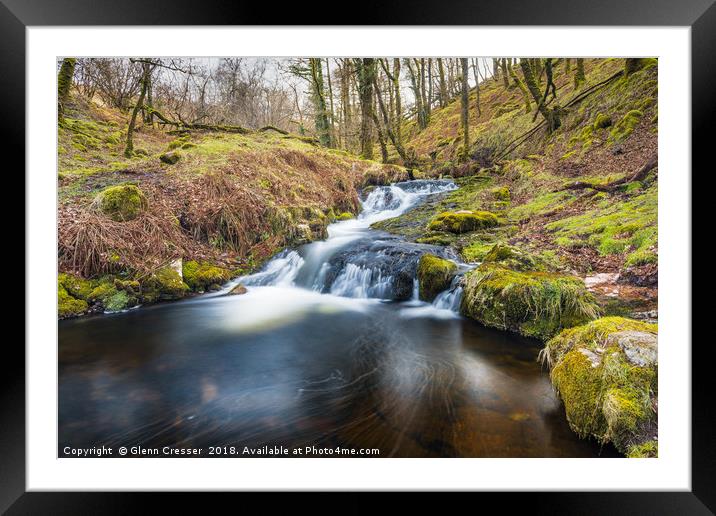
column 551, row 116
column 330, row 102
column 505, row 73
column 144, row 82
column 523, row 89
column 442, row 84
column 476, row 73
column 579, row 74
column 465, row 109
column 366, row 78
column 346, row 102
column 64, row 83
column 323, row 127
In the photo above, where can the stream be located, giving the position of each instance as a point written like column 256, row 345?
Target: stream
column 330, row 347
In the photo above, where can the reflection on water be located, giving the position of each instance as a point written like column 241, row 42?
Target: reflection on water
column 291, row 367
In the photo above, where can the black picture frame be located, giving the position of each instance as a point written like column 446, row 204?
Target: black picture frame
column 699, row 15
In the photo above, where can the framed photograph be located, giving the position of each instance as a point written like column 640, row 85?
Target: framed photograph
column 445, row 249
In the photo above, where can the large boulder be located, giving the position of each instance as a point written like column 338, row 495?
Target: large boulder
column 606, row 374
column 534, row 304
column 434, row 275
column 121, row 202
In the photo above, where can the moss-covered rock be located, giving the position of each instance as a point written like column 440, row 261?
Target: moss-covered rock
column 163, row 285
column 606, row 374
column 511, row 257
column 534, row 304
column 434, row 276
column 115, row 295
column 344, row 216
column 201, row 276
column 121, row 202
column 170, row 158
column 462, row 221
column 501, row 193
column 77, row 287
column 68, row 306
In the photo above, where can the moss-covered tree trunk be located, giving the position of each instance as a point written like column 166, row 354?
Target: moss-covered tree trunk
column 323, row 126
column 523, row 89
column 330, row 102
column 579, row 77
column 347, row 119
column 366, row 77
column 476, row 73
column 442, row 83
column 398, row 103
column 550, row 115
column 64, row 83
column 144, row 81
column 415, row 86
column 505, row 73
column 465, row 109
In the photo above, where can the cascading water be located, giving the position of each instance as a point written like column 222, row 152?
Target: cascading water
column 450, row 299
column 358, row 262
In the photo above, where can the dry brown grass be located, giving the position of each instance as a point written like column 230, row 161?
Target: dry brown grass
column 91, row 244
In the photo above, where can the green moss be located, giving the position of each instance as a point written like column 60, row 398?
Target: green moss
column 435, row 239
column 592, row 335
column 646, row 450
column 68, row 306
column 463, row 221
column 121, row 202
column 76, row 286
column 602, row 121
column 115, row 295
column 605, row 395
column 201, row 276
column 170, row 158
column 501, row 193
column 612, row 227
column 511, row 257
column 625, row 126
column 641, row 257
column 345, row 216
column 434, row 275
column 535, row 304
column 175, row 144
column 476, row 251
column 162, row 285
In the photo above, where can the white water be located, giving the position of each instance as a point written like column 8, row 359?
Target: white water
column 306, row 269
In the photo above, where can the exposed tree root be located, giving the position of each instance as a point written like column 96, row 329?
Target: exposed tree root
column 610, row 187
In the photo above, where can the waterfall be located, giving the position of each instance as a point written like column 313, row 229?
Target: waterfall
column 281, row 271
column 357, row 262
column 450, row 299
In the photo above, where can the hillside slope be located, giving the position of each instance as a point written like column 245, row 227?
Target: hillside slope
column 606, row 136
column 221, row 202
